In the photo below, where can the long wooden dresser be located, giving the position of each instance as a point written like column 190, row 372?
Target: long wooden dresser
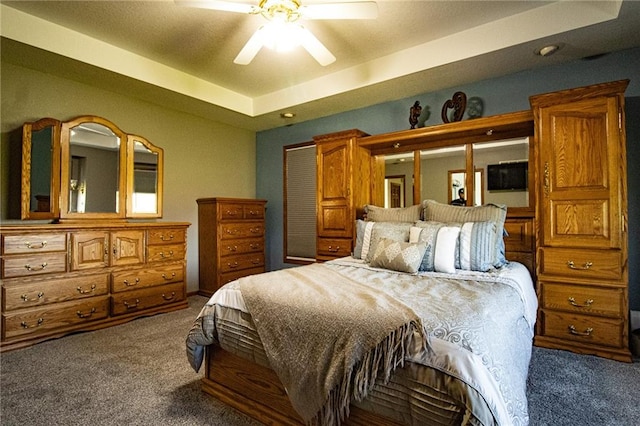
column 63, row 278
column 231, row 240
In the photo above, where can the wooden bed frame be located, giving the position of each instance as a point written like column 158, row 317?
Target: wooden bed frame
column 257, row 392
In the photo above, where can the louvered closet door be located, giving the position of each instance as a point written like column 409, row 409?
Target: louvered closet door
column 580, row 155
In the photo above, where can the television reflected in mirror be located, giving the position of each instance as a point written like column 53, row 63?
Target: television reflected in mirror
column 508, row 176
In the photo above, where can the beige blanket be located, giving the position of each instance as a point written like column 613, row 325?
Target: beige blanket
column 328, row 337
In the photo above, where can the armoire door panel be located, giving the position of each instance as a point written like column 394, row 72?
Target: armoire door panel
column 335, row 177
column 584, row 219
column 335, row 222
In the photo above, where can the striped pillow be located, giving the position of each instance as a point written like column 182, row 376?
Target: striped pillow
column 434, row 211
column 477, row 245
column 395, row 214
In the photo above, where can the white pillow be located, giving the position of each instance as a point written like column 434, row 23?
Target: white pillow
column 445, row 253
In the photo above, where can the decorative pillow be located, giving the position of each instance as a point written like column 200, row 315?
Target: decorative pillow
column 396, row 214
column 365, row 235
column 434, row 211
column 396, row 231
column 444, row 259
column 477, row 242
column 427, row 233
column 398, row 256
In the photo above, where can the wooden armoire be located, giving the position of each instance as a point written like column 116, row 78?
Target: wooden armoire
column 582, row 220
column 344, row 173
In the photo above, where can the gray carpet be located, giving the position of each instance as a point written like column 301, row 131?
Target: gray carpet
column 137, row 374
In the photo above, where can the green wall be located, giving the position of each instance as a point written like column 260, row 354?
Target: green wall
column 500, row 95
column 201, row 156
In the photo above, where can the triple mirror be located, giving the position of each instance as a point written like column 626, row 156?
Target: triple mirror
column 87, row 168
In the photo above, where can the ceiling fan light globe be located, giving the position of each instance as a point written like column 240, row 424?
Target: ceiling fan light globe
column 281, row 36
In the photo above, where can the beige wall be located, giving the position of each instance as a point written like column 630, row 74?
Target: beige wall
column 202, row 158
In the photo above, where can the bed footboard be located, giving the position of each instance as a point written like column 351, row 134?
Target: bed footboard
column 257, row 392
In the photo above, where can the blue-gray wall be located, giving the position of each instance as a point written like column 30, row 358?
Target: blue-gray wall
column 500, row 95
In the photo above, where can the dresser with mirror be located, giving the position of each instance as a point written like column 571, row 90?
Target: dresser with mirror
column 89, row 250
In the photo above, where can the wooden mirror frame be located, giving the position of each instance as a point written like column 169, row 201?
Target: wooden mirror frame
column 27, row 151
column 462, row 133
column 65, row 145
column 59, row 196
column 131, row 142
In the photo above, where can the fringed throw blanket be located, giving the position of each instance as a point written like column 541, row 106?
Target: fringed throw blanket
column 328, row 337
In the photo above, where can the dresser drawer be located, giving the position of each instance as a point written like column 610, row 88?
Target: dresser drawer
column 54, row 317
column 35, row 264
column 164, row 253
column 19, row 295
column 166, row 236
column 334, row 247
column 230, row 231
column 583, row 328
column 232, row 276
column 137, row 300
column 245, row 261
column 142, row 278
column 583, row 299
column 33, row 243
column 253, row 211
column 235, row 247
column 581, row 263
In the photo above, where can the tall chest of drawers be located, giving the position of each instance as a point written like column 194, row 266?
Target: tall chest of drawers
column 58, row 279
column 582, row 215
column 231, row 240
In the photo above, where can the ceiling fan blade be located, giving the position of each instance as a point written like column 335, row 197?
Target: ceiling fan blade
column 226, row 6
column 315, row 48
column 251, row 49
column 353, row 10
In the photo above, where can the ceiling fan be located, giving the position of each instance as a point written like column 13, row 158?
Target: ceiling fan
column 283, row 30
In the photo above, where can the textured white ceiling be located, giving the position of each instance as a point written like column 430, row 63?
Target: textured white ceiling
column 412, row 47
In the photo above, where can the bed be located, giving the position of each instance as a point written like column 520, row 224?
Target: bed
column 424, row 324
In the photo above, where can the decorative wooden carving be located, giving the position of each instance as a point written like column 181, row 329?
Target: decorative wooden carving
column 458, row 103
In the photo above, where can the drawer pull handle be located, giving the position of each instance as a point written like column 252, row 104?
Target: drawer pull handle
column 254, row 246
column 169, row 255
column 256, row 261
column 233, row 265
column 234, row 248
column 253, row 213
column 128, row 284
column 131, row 306
column 166, row 239
column 173, row 275
column 231, row 231
column 87, row 315
column 91, row 290
column 587, row 303
column 35, row 246
column 25, row 325
column 586, row 265
column 29, row 268
column 25, row 297
column 334, row 250
column 586, row 333
column 173, row 294
column 232, row 212
column 255, row 230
